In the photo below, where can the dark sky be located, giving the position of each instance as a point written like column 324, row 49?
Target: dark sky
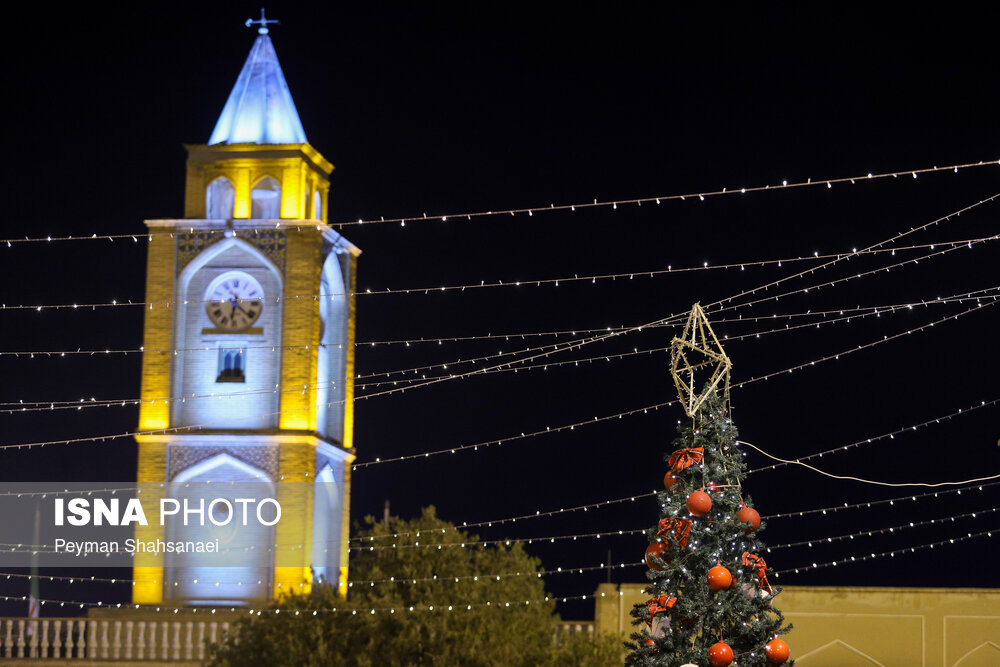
column 447, row 108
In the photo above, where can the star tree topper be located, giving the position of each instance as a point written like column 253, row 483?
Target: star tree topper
column 692, row 356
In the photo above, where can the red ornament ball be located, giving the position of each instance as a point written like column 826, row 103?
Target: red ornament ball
column 749, row 515
column 719, row 578
column 720, row 655
column 656, row 549
column 699, row 503
column 669, row 480
column 777, row 652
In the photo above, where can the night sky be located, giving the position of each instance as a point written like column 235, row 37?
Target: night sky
column 451, row 108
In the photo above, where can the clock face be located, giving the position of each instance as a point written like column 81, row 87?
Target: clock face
column 234, row 301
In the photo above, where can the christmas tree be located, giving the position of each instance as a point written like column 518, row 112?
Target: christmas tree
column 710, row 599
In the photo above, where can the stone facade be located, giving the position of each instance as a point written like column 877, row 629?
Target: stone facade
column 844, row 626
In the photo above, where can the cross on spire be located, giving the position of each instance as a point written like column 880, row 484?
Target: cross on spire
column 262, row 22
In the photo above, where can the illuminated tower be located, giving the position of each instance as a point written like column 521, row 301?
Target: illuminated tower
column 249, row 344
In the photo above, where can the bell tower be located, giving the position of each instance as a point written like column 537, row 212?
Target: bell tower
column 248, row 346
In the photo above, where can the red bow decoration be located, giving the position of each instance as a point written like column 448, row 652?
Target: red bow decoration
column 680, row 528
column 683, row 458
column 660, row 603
column 752, row 560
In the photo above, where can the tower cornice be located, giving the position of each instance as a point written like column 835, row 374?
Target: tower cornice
column 334, row 237
column 251, row 151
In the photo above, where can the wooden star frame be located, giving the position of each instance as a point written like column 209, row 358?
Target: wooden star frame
column 692, row 355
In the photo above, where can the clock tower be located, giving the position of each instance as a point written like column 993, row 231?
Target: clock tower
column 248, row 346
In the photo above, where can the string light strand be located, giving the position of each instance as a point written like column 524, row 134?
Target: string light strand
column 700, row 196
column 438, row 607
column 514, row 519
column 22, row 406
column 486, row 577
column 872, row 556
column 882, row 531
column 530, row 211
column 570, row 346
column 875, row 503
column 523, row 335
column 656, row 406
column 498, row 442
column 537, row 282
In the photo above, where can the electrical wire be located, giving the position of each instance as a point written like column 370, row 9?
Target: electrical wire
column 985, row 478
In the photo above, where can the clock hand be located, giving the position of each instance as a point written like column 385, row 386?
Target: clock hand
column 236, row 300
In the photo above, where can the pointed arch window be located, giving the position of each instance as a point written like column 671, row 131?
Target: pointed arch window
column 265, row 199
column 232, row 365
column 317, row 205
column 327, row 520
column 220, row 199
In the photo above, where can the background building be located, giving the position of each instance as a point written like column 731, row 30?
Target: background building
column 857, row 626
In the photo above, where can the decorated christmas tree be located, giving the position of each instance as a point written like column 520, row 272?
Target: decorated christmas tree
column 710, row 599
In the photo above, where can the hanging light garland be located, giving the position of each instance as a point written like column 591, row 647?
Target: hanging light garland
column 743, row 293
column 884, row 531
column 360, row 583
column 530, row 211
column 876, row 503
column 498, row 442
column 891, row 554
column 523, row 335
column 440, row 608
column 14, row 407
column 656, row 406
column 537, row 282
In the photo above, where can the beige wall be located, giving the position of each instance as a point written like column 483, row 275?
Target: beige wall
column 858, row 626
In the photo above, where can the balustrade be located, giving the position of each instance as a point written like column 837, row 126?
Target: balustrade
column 80, row 638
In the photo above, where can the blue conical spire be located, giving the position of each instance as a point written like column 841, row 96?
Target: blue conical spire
column 260, row 109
